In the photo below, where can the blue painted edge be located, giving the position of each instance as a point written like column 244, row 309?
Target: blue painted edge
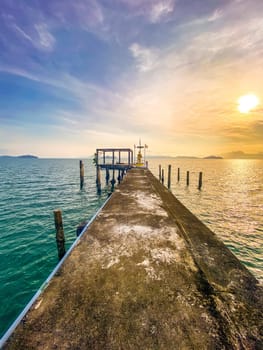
column 13, row 326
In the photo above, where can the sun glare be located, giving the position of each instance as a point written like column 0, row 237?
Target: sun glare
column 247, row 102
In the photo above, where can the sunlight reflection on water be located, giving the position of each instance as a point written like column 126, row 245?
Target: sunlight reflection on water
column 230, row 202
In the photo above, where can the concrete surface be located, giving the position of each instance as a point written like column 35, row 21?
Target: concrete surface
column 147, row 274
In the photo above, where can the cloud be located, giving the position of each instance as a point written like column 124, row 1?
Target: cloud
column 146, row 58
column 187, row 80
column 218, row 13
column 89, row 107
column 160, row 10
column 38, row 35
column 21, row 32
column 221, row 49
column 154, row 11
column 87, row 14
column 224, row 34
column 45, row 38
column 246, row 135
column 37, row 22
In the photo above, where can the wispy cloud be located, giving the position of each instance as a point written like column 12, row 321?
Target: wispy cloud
column 87, row 14
column 38, row 35
column 93, row 107
column 249, row 132
column 160, row 10
column 22, row 33
column 45, row 39
column 238, row 38
column 146, row 58
column 18, row 72
column 218, row 13
column 153, row 11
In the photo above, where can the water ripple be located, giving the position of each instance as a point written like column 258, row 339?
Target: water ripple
column 230, row 202
column 30, row 190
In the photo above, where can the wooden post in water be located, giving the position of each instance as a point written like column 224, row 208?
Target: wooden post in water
column 107, row 176
column 60, row 238
column 187, row 178
column 178, row 174
column 98, row 180
column 113, row 181
column 162, row 176
column 160, row 172
column 169, row 176
column 119, row 176
column 81, row 173
column 200, row 181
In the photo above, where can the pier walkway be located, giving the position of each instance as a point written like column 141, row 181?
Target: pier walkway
column 146, row 274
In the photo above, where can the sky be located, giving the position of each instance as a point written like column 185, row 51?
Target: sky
column 86, row 74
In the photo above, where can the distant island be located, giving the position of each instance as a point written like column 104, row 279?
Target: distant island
column 213, row 157
column 22, row 156
column 28, row 156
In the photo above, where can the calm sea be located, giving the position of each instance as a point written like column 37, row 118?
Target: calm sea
column 230, row 203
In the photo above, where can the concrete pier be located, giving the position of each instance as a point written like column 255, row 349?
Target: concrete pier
column 146, row 274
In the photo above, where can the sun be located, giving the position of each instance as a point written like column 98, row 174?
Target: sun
column 247, row 102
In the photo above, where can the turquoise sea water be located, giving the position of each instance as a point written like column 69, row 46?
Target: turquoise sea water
column 230, row 203
column 30, row 189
